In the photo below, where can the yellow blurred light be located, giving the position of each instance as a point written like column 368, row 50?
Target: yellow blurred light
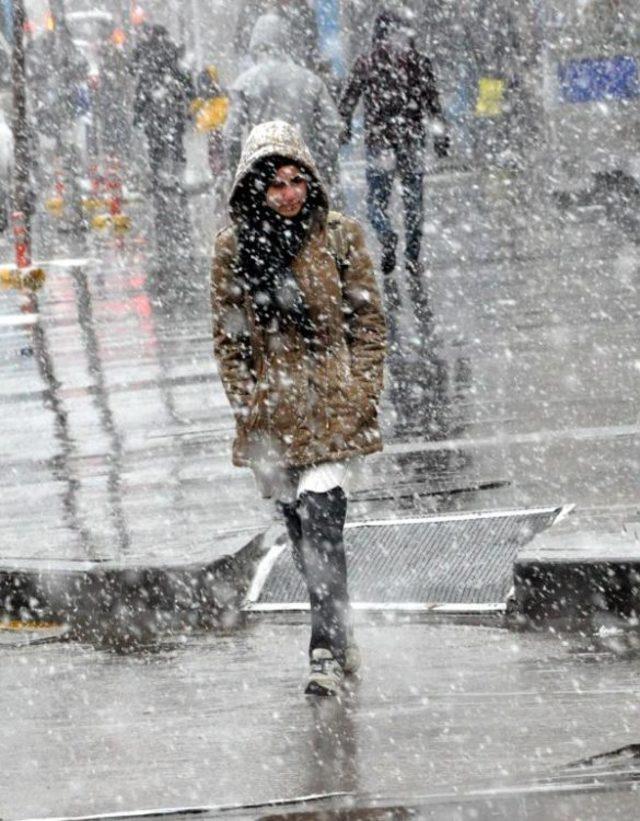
column 92, row 203
column 17, row 624
column 490, row 102
column 100, row 221
column 118, row 37
column 55, row 206
column 121, row 223
column 33, row 279
column 27, row 279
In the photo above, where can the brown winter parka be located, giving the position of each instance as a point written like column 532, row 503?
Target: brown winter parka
column 297, row 404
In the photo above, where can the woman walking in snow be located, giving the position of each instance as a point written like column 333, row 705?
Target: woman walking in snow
column 299, row 337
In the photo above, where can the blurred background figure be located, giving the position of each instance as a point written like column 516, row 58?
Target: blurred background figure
column 113, row 96
column 301, row 21
column 57, row 72
column 210, row 110
column 59, row 102
column 277, row 88
column 499, row 53
column 396, row 83
column 304, row 48
column 163, row 95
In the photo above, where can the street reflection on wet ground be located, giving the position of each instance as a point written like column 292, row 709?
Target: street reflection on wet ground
column 117, row 435
column 439, row 709
column 116, row 445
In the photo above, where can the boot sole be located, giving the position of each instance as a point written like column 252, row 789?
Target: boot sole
column 315, row 689
column 320, row 685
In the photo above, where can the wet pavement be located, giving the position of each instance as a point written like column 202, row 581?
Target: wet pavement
column 530, row 382
column 116, row 446
column 439, row 709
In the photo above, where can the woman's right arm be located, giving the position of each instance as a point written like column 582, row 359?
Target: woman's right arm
column 231, row 335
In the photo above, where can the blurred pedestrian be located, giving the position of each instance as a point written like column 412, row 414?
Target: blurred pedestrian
column 300, row 338
column 210, row 109
column 59, row 99
column 164, row 92
column 113, row 97
column 398, row 88
column 276, row 87
column 57, row 74
column 301, row 23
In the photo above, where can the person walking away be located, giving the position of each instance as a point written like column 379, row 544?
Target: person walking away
column 399, row 92
column 210, row 110
column 164, row 91
column 113, row 97
column 58, row 101
column 277, row 88
column 301, row 22
column 299, row 337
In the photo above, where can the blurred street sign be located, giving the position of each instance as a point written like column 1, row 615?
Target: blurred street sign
column 597, row 80
column 490, row 100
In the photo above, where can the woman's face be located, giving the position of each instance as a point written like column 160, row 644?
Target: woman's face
column 288, row 191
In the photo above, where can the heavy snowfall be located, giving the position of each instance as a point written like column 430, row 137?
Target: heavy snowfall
column 319, row 379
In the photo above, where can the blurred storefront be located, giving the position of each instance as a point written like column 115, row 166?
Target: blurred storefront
column 555, row 80
column 591, row 89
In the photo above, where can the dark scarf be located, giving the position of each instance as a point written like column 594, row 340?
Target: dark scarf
column 268, row 245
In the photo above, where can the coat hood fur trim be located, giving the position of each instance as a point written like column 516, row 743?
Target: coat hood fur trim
column 275, row 138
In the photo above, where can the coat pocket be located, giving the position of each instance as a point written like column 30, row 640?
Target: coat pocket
column 351, row 410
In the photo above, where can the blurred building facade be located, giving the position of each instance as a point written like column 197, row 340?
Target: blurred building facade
column 504, row 69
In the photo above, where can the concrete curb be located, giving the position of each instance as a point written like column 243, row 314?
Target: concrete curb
column 571, row 580
column 107, row 603
column 561, row 580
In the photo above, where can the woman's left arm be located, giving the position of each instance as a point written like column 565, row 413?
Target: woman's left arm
column 363, row 314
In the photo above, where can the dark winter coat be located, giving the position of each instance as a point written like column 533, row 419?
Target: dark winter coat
column 298, row 404
column 398, row 91
column 163, row 92
column 57, row 75
column 113, row 101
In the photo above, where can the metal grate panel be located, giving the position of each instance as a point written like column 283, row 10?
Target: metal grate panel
column 461, row 559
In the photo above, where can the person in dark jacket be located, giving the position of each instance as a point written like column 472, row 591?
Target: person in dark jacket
column 113, row 98
column 399, row 92
column 163, row 94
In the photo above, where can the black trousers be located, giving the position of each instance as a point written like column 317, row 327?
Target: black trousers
column 408, row 166
column 315, row 524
